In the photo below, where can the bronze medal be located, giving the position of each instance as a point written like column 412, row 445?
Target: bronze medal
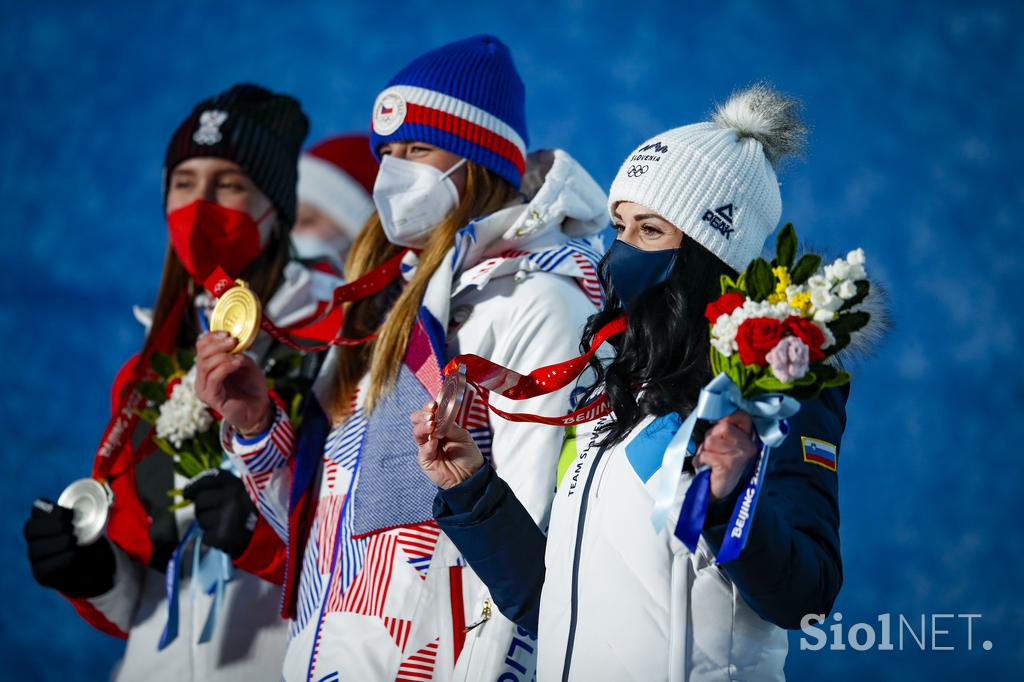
column 449, row 402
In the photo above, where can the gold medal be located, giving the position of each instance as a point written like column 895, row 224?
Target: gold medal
column 238, row 313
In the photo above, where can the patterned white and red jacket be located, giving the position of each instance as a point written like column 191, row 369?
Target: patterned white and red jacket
column 376, row 591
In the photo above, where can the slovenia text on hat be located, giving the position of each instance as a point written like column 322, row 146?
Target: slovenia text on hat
column 465, row 97
column 716, row 181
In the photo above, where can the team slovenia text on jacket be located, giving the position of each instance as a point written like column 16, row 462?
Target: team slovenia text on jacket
column 619, row 601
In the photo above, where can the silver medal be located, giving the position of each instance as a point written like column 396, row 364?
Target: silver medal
column 90, row 500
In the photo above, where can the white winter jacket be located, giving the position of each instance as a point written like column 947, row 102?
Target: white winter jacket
column 517, row 287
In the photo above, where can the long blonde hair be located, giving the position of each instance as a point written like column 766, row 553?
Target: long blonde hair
column 485, row 193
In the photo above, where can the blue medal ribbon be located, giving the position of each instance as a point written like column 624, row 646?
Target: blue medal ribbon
column 210, row 571
column 720, row 398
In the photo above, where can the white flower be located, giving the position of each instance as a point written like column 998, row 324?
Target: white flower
column 847, row 289
column 183, row 415
column 823, row 299
column 823, row 315
column 818, row 283
column 857, row 273
column 838, row 271
column 856, row 257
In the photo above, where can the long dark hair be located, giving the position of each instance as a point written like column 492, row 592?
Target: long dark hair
column 665, row 348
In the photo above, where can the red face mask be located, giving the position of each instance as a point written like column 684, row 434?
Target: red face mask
column 205, row 235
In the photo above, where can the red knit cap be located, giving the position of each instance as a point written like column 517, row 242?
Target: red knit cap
column 336, row 175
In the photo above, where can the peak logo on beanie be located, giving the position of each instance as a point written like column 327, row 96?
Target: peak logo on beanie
column 259, row 130
column 209, row 127
column 720, row 219
column 466, row 98
column 388, row 112
column 715, row 181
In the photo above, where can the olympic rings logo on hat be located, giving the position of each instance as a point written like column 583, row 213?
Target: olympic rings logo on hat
column 637, row 171
column 388, row 112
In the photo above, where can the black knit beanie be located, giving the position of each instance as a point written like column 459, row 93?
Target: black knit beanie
column 260, row 131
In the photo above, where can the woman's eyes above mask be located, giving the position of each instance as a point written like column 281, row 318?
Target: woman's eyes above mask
column 618, row 227
column 651, row 231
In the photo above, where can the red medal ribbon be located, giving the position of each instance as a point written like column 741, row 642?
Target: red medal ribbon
column 326, row 320
column 490, row 377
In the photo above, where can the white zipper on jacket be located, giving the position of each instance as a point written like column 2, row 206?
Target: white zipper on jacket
column 574, row 587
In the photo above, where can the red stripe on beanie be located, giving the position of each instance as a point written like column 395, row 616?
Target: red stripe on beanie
column 467, row 130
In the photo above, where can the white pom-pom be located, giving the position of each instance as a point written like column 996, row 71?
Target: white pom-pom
column 768, row 116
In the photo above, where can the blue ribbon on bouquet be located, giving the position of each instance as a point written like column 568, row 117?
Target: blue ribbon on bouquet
column 211, row 570
column 720, row 398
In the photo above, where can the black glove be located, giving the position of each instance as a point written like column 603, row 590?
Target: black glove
column 57, row 559
column 223, row 510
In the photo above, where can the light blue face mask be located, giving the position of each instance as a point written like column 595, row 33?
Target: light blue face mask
column 633, row 271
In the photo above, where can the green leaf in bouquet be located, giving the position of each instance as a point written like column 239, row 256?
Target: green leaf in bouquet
column 785, row 246
column 148, row 414
column 153, row 391
column 163, row 364
column 863, row 287
column 848, row 323
column 165, row 446
column 804, row 268
column 769, row 383
column 823, row 371
column 185, row 358
column 760, row 279
column 188, row 465
column 839, row 379
column 175, row 492
column 727, row 283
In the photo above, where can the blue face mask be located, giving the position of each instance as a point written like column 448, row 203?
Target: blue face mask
column 633, row 271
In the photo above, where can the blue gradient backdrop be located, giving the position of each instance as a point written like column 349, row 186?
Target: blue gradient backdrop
column 915, row 155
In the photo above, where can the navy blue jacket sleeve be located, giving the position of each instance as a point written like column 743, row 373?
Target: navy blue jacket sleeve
column 499, row 539
column 791, row 565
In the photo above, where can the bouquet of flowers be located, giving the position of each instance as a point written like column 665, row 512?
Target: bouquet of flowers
column 776, row 328
column 775, row 332
column 186, row 430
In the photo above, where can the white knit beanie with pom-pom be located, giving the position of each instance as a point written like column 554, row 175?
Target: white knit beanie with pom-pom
column 716, row 181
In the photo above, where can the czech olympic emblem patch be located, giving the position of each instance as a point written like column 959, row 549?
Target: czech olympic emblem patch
column 820, row 452
column 388, row 112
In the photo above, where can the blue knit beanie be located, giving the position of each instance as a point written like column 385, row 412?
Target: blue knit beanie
column 465, row 97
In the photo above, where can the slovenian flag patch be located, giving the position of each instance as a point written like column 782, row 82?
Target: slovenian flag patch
column 820, row 452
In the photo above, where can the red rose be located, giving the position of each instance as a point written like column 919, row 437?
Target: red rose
column 755, row 337
column 809, row 333
column 725, row 304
